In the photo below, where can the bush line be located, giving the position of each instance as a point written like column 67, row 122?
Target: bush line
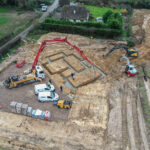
column 82, row 30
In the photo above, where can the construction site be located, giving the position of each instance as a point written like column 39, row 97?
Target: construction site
column 108, row 100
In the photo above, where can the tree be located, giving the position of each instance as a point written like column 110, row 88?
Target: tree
column 64, row 2
column 107, row 15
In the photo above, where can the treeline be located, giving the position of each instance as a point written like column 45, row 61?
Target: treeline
column 132, row 3
column 28, row 4
column 136, row 3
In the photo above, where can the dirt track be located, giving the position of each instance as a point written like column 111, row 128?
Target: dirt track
column 106, row 114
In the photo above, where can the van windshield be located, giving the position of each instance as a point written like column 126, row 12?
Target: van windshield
column 52, row 95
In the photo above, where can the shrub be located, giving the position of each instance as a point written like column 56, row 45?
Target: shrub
column 114, row 24
column 131, row 43
column 107, row 15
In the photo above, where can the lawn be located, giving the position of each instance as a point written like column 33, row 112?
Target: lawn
column 13, row 20
column 4, row 20
column 4, row 10
column 99, row 11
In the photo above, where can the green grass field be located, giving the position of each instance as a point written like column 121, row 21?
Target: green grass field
column 4, row 10
column 4, row 20
column 13, row 21
column 99, row 11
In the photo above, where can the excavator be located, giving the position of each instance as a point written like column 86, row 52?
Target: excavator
column 130, row 69
column 63, row 104
column 133, row 52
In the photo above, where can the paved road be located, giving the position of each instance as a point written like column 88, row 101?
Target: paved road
column 49, row 10
column 26, row 31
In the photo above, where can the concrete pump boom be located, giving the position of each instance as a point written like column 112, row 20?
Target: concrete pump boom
column 54, row 41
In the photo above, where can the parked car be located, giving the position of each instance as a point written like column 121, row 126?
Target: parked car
column 39, row 114
column 99, row 19
column 44, row 8
column 47, row 96
column 43, row 88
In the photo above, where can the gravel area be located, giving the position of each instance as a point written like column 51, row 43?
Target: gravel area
column 25, row 94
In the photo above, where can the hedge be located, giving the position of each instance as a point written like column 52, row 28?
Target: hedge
column 85, row 24
column 92, row 31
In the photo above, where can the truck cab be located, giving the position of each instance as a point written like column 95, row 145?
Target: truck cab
column 39, row 72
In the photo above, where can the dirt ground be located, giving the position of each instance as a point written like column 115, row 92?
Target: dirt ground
column 106, row 114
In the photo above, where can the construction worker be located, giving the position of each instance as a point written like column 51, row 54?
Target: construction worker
column 49, row 83
column 61, row 88
column 72, row 74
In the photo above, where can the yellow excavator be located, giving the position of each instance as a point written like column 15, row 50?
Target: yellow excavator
column 63, row 104
column 18, row 81
column 133, row 52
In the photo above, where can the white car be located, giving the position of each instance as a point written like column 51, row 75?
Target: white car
column 44, row 8
column 47, row 96
column 43, row 88
column 99, row 19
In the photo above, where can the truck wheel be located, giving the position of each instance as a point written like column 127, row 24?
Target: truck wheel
column 19, row 85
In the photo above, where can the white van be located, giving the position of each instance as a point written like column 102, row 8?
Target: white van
column 43, row 88
column 47, row 96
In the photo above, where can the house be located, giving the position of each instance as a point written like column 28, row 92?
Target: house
column 75, row 13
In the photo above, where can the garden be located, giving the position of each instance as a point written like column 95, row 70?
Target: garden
column 97, row 11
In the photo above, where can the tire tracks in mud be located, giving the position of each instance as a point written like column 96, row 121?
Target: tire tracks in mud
column 147, row 83
column 133, row 131
column 142, row 125
column 125, row 135
column 135, row 121
column 132, row 122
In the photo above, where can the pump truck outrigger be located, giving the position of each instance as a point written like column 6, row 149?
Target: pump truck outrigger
column 36, row 73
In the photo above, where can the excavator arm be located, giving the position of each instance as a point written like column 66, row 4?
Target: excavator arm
column 126, row 58
column 117, row 47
